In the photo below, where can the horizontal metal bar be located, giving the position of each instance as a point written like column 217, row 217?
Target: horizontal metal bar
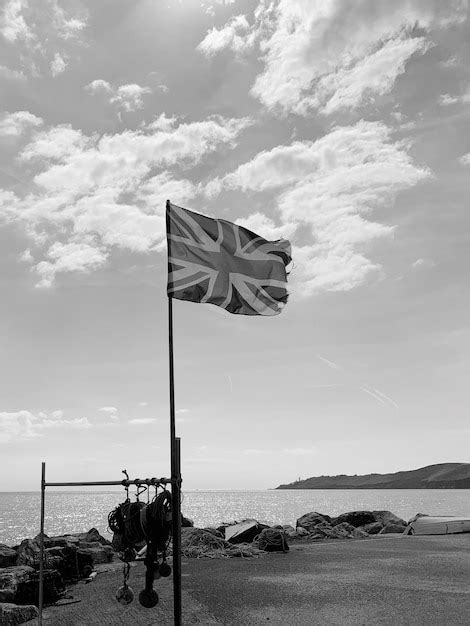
column 123, row 483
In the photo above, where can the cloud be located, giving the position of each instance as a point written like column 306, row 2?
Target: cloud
column 90, row 194
column 26, row 256
column 58, row 64
column 142, row 421
column 423, row 263
column 9, row 74
column 12, row 23
column 126, row 97
column 329, row 187
column 447, row 100
column 231, row 36
column 43, row 33
column 15, row 124
column 21, row 425
column 111, row 412
column 69, row 257
column 333, row 55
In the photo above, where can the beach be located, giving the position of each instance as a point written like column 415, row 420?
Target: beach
column 391, row 579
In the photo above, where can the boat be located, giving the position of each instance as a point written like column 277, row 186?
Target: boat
column 423, row 524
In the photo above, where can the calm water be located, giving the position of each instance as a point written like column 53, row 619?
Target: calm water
column 68, row 511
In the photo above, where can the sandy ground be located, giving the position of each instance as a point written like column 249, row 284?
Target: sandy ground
column 388, row 580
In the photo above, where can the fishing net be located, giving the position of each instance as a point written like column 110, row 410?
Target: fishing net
column 199, row 543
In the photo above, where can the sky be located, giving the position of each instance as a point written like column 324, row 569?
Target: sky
column 341, row 126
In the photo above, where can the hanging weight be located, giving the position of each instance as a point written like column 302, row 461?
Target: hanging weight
column 164, row 569
column 148, row 598
column 124, row 595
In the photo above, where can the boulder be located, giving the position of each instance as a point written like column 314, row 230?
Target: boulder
column 289, row 530
column 392, row 528
column 358, row 533
column 98, row 553
column 345, row 529
column 10, row 579
column 28, row 553
column 301, row 532
column 310, row 520
column 372, row 529
column 355, row 518
column 90, row 536
column 7, row 556
column 326, row 530
column 12, row 614
column 387, row 517
column 244, row 532
column 28, row 590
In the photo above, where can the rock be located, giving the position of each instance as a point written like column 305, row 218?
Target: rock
column 90, row 536
column 10, row 579
column 28, row 553
column 358, row 533
column 387, row 517
column 355, row 518
column 243, row 532
column 290, row 531
column 7, row 556
column 186, row 522
column 310, row 520
column 392, row 528
column 325, row 529
column 98, row 553
column 28, row 590
column 346, row 528
column 372, row 529
column 12, row 614
column 301, row 532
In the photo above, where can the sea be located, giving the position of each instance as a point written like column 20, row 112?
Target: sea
column 78, row 511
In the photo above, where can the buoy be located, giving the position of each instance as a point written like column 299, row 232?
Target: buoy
column 124, row 595
column 148, row 598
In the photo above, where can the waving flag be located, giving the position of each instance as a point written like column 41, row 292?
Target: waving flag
column 215, row 261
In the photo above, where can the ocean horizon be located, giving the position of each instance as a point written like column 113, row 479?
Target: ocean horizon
column 78, row 511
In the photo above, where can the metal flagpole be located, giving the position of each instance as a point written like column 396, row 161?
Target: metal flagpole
column 41, row 543
column 175, row 462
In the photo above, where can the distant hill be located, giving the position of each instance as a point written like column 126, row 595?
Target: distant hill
column 440, row 476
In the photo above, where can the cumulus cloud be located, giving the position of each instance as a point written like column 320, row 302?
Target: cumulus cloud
column 69, row 257
column 465, row 159
column 20, row 425
column 90, row 194
column 333, row 55
column 231, row 36
column 9, row 74
column 58, row 64
column 43, row 32
column 111, row 413
column 447, row 99
column 15, row 124
column 330, row 187
column 126, row 97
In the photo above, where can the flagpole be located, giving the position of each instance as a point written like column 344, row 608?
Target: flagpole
column 175, row 464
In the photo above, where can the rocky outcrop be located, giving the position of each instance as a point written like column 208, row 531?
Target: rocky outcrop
column 355, row 518
column 7, row 556
column 12, row 614
column 11, row 578
column 310, row 520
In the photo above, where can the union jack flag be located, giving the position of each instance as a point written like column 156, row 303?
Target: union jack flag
column 215, row 261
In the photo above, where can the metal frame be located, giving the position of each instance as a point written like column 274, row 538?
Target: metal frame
column 175, row 482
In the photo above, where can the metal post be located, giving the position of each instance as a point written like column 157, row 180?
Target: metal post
column 41, row 543
column 176, row 500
